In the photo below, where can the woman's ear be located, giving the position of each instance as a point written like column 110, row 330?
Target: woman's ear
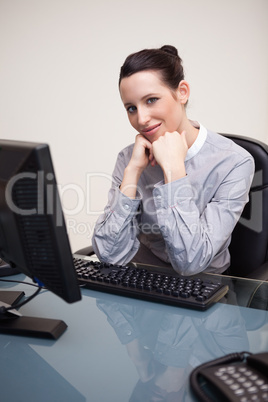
column 183, row 92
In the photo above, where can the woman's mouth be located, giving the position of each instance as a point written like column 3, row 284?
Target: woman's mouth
column 151, row 130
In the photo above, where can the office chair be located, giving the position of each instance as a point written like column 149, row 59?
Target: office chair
column 249, row 244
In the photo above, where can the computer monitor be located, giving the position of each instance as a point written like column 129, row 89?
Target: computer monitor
column 33, row 236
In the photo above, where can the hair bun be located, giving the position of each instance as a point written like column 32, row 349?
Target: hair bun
column 170, row 49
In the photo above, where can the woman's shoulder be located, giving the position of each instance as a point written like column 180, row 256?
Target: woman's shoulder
column 127, row 150
column 226, row 145
column 124, row 155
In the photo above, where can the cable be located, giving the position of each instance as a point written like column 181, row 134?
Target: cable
column 4, row 310
column 21, row 282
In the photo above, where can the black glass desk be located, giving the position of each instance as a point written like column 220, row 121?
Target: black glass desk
column 119, row 349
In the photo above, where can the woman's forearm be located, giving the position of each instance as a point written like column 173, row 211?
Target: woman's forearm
column 130, row 181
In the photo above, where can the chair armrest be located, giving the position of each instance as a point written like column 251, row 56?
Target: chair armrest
column 86, row 251
column 260, row 273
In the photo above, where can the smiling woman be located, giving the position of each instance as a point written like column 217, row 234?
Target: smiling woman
column 179, row 190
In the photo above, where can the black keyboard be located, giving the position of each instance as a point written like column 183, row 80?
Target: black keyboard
column 150, row 283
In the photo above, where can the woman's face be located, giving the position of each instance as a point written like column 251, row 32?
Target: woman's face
column 152, row 107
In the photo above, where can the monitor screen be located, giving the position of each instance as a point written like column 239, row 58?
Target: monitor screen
column 33, row 236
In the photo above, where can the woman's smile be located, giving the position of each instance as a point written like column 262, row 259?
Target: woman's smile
column 151, row 129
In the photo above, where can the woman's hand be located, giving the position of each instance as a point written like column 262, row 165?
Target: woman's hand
column 142, row 154
column 169, row 152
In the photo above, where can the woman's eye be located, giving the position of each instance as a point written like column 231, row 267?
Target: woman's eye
column 152, row 100
column 131, row 109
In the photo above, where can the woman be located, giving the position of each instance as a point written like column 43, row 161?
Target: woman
column 178, row 192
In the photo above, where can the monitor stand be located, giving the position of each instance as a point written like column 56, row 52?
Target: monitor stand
column 28, row 326
column 6, row 269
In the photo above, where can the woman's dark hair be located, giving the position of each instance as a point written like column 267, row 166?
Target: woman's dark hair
column 165, row 60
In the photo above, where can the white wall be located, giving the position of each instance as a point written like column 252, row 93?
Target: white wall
column 59, row 65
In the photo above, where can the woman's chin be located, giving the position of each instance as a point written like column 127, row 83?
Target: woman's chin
column 153, row 137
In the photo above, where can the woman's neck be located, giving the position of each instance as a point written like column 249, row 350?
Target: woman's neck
column 191, row 132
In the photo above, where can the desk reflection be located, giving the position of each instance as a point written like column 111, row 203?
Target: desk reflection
column 166, row 343
column 26, row 376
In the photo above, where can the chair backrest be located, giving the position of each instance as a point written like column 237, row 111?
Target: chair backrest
column 249, row 245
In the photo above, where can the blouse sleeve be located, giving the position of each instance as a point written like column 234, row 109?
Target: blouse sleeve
column 194, row 238
column 116, row 230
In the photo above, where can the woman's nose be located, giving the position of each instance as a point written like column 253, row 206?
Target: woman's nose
column 143, row 116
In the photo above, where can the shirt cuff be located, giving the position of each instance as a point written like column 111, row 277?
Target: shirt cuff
column 169, row 194
column 125, row 206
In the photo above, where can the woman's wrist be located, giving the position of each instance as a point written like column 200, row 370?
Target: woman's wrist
column 130, row 181
column 174, row 173
column 134, row 170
